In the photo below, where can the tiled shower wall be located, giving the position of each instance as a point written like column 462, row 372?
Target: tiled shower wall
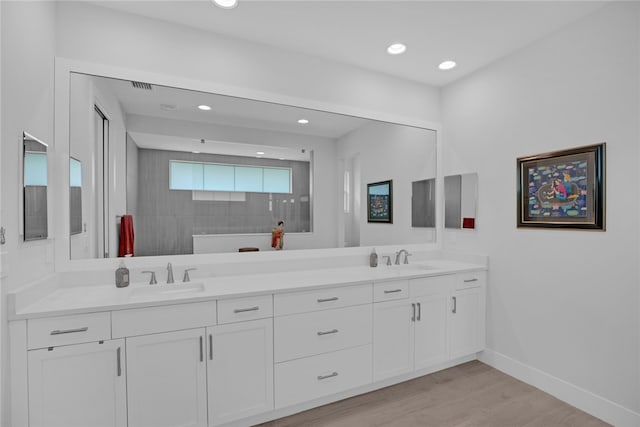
column 167, row 219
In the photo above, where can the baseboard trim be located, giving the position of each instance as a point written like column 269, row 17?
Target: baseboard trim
column 582, row 399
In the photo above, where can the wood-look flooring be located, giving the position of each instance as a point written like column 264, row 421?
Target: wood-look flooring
column 472, row 394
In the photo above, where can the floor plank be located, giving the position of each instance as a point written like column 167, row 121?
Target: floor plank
column 469, row 395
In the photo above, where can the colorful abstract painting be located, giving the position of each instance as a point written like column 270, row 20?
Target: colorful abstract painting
column 380, row 202
column 562, row 189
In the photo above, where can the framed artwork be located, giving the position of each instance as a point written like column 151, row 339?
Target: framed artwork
column 380, row 202
column 563, row 189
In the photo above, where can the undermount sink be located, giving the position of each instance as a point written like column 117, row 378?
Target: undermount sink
column 177, row 289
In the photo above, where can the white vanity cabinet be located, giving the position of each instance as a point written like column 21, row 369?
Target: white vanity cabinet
column 468, row 314
column 412, row 333
column 322, row 342
column 167, row 382
column 240, row 360
column 166, row 363
column 78, row 385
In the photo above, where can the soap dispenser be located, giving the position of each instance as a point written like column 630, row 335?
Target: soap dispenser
column 122, row 276
column 373, row 258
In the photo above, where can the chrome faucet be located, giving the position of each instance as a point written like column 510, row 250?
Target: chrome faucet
column 169, row 273
column 399, row 255
column 186, row 277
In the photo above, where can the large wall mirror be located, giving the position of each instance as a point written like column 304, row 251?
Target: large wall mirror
column 207, row 173
column 35, row 180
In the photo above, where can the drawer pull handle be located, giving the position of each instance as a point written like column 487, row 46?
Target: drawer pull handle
column 201, row 349
column 471, row 280
column 413, row 316
column 324, row 377
column 119, row 362
column 69, row 331
column 455, row 305
column 244, row 310
column 327, row 299
column 393, row 291
column 333, row 331
column 419, row 312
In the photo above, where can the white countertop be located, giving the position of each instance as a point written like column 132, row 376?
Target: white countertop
column 86, row 299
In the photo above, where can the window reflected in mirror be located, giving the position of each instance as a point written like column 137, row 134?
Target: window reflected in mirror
column 35, row 179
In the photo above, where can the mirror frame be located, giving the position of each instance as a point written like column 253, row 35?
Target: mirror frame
column 60, row 185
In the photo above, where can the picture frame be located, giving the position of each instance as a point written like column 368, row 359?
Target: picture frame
column 380, row 202
column 563, row 189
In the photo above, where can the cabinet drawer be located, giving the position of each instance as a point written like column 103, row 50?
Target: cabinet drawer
column 141, row 321
column 388, row 291
column 321, row 299
column 240, row 309
column 301, row 335
column 55, row 331
column 312, row 377
column 435, row 285
column 471, row 280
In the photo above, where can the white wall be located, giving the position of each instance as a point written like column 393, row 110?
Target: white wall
column 27, row 105
column 562, row 302
column 385, row 151
column 99, row 35
column 85, row 93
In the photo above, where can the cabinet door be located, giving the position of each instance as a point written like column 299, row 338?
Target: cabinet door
column 240, row 370
column 167, row 382
column 78, row 385
column 467, row 321
column 392, row 339
column 431, row 333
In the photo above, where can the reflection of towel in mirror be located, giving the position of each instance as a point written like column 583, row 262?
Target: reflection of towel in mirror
column 277, row 238
column 126, row 236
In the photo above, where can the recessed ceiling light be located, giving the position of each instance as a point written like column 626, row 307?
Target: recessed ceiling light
column 226, row 4
column 396, row 49
column 204, row 107
column 447, row 65
column 260, row 153
column 195, row 152
column 303, row 121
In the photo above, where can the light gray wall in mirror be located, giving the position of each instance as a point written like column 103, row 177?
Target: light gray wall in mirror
column 34, row 180
column 423, row 203
column 460, row 200
column 147, row 119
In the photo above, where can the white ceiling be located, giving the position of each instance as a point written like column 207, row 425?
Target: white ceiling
column 474, row 33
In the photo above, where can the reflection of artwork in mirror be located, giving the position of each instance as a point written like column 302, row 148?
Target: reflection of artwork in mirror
column 460, row 200
column 35, row 188
column 562, row 189
column 380, row 202
column 75, row 195
column 423, row 203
